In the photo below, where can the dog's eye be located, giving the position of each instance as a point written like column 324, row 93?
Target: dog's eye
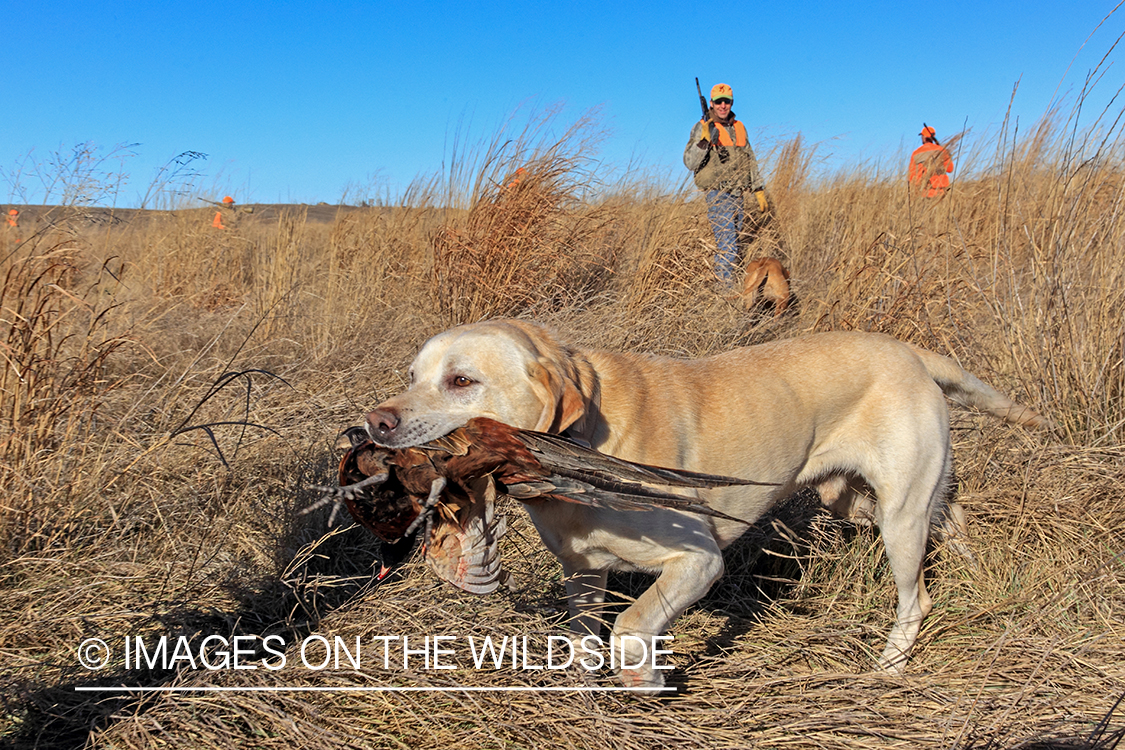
column 460, row 381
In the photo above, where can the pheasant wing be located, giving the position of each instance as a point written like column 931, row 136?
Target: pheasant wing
column 564, row 456
column 584, row 475
column 612, row 495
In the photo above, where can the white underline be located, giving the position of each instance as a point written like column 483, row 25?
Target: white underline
column 298, row 689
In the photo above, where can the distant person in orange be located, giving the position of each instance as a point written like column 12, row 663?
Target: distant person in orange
column 930, row 165
column 13, row 218
column 217, row 222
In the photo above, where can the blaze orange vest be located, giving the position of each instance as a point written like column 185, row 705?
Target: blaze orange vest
column 933, row 161
column 740, row 138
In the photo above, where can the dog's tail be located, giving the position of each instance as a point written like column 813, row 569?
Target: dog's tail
column 968, row 390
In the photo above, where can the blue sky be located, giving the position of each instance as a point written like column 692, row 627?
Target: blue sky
column 292, row 102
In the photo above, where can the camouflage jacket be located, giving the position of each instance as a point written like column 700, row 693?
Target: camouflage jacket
column 738, row 172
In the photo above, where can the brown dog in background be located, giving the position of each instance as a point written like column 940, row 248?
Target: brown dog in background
column 776, row 286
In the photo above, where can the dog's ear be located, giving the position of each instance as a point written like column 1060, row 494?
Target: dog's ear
column 563, row 402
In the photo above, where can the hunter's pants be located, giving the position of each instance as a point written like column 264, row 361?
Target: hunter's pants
column 724, row 211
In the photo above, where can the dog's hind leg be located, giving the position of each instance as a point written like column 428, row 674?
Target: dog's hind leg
column 777, row 291
column 904, row 517
column 755, row 273
column 952, row 530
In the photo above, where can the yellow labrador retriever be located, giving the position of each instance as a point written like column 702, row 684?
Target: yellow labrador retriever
column 836, row 411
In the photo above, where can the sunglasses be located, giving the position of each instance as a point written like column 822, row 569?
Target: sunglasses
column 722, row 101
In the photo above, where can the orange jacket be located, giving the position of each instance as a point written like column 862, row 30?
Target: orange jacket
column 933, row 162
column 740, row 138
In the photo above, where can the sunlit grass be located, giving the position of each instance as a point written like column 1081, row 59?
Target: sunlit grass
column 149, row 489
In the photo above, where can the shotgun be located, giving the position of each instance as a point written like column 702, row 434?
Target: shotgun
column 702, row 101
column 924, row 126
column 723, row 155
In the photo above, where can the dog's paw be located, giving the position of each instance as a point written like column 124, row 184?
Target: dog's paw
column 643, row 680
column 892, row 661
column 638, row 659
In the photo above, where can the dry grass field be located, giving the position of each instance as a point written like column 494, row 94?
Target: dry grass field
column 170, row 393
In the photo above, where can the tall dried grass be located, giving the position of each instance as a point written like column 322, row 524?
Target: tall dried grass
column 528, row 242
column 57, row 343
column 150, row 488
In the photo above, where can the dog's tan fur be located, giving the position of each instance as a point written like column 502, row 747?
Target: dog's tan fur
column 776, row 288
column 838, row 411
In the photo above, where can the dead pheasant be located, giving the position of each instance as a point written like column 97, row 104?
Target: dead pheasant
column 394, row 492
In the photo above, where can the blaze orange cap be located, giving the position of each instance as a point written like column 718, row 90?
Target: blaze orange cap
column 228, row 199
column 721, row 91
column 12, row 211
column 928, row 132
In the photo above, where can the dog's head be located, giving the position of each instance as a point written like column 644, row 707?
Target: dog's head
column 512, row 371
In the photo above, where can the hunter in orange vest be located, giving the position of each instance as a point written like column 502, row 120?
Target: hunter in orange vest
column 217, row 222
column 719, row 154
column 930, row 165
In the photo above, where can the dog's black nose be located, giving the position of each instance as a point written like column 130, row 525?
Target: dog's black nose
column 382, row 422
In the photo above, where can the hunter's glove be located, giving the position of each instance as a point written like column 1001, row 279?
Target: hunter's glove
column 761, row 196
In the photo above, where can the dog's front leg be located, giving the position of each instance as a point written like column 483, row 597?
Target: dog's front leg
column 585, row 594
column 683, row 580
